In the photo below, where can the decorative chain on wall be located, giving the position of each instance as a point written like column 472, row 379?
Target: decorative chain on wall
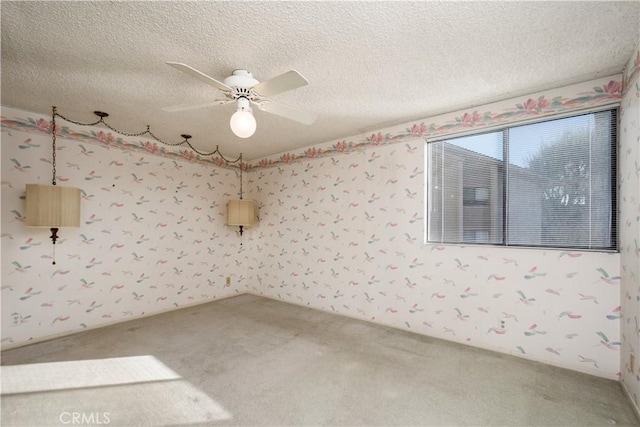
column 101, row 120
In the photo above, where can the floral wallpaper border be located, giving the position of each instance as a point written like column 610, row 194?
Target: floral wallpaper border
column 598, row 93
column 601, row 93
column 631, row 74
column 42, row 126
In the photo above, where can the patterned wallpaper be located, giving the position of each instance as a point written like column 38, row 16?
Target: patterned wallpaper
column 345, row 234
column 152, row 234
column 630, row 229
column 341, row 229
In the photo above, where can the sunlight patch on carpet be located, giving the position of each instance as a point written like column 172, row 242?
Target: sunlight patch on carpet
column 126, row 391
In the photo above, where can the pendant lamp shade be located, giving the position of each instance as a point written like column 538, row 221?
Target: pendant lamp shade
column 241, row 212
column 51, row 206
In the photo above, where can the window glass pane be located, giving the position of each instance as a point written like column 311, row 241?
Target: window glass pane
column 465, row 189
column 558, row 189
column 559, row 183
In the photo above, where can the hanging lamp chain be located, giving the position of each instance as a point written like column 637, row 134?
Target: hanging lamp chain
column 53, row 137
column 101, row 120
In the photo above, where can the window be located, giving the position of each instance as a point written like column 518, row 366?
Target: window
column 548, row 184
column 475, row 196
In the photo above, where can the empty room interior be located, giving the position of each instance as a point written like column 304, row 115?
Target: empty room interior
column 320, row 213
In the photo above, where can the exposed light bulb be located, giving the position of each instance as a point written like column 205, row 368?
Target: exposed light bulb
column 242, row 122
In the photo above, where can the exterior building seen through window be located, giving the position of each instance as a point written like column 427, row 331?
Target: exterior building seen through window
column 548, row 184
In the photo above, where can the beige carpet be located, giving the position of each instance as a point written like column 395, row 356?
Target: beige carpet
column 248, row 361
column 123, row 391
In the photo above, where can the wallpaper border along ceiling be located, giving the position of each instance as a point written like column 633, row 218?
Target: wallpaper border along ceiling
column 594, row 93
column 582, row 96
column 143, row 146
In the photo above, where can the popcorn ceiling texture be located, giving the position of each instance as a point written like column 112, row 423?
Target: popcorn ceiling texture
column 370, row 64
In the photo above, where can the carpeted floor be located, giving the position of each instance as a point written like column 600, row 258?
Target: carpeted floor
column 248, row 360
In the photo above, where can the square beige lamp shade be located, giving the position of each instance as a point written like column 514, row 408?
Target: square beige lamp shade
column 51, row 206
column 241, row 212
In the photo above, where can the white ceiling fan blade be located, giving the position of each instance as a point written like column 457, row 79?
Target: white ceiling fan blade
column 304, row 117
column 185, row 107
column 282, row 83
column 200, row 76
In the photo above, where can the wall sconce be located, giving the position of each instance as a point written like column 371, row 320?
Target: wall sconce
column 50, row 206
column 241, row 212
column 54, row 207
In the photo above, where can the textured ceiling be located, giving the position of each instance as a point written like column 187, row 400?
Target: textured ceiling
column 370, row 64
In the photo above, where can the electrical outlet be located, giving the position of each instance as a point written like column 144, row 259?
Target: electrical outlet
column 228, row 280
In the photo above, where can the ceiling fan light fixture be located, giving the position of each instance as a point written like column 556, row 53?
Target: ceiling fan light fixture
column 242, row 122
column 241, row 87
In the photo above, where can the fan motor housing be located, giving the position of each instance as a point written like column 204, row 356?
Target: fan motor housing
column 241, row 79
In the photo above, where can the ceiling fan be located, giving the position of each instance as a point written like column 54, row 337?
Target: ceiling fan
column 245, row 90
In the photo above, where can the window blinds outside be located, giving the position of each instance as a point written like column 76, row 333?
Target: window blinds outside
column 555, row 189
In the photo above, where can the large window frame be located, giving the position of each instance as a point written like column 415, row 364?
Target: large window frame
column 475, row 197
